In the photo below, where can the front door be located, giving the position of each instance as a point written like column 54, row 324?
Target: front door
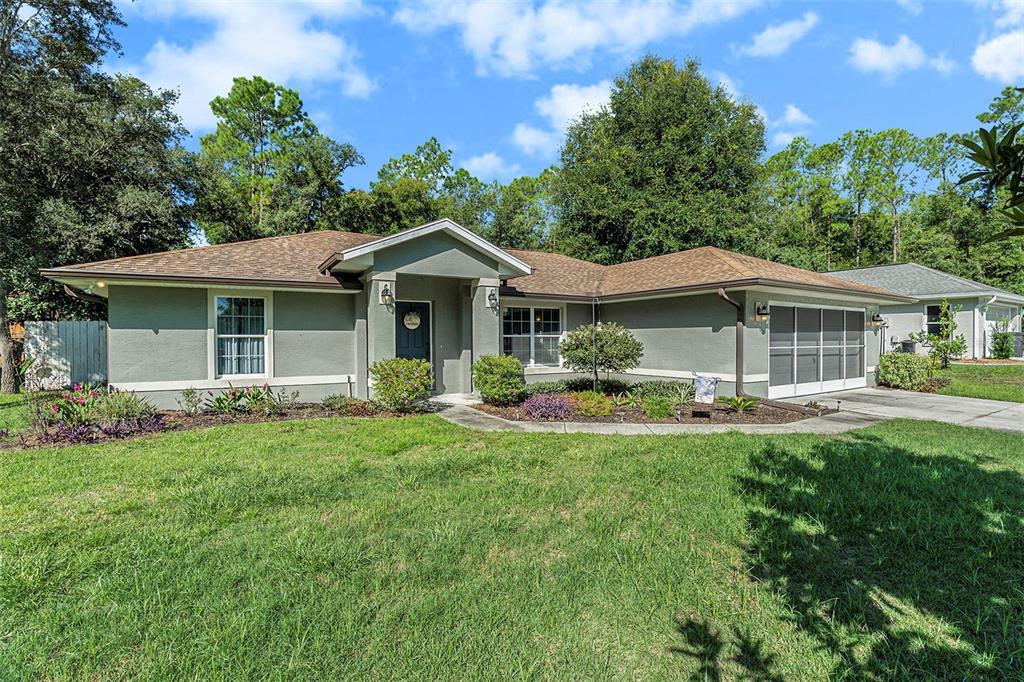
column 412, row 330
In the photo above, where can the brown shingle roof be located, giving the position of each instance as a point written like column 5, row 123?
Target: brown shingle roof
column 293, row 260
column 286, row 259
column 695, row 268
column 558, row 275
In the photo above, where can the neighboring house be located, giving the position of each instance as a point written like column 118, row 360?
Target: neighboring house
column 313, row 311
column 983, row 309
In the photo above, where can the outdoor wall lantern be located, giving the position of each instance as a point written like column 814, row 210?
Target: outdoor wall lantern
column 876, row 320
column 762, row 311
column 386, row 297
column 492, row 298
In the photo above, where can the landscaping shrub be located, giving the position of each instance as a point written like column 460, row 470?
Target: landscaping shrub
column 499, row 379
column 69, row 408
column 544, row 387
column 122, row 406
column 742, row 403
column 400, row 383
column 903, row 370
column 605, row 386
column 625, row 399
column 684, row 394
column 592, row 404
column 348, row 406
column 190, row 402
column 658, row 407
column 230, row 401
column 1002, row 345
column 607, row 347
column 665, row 389
column 263, row 400
column 945, row 345
column 546, row 406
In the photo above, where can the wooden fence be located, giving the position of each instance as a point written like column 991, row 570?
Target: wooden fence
column 65, row 353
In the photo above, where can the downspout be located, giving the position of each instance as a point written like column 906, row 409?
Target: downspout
column 593, row 334
column 739, row 363
column 739, row 339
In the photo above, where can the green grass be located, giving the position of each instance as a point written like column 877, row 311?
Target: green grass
column 994, row 382
column 414, row 549
column 13, row 412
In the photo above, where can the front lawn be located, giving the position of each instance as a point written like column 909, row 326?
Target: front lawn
column 13, row 412
column 994, row 382
column 412, row 548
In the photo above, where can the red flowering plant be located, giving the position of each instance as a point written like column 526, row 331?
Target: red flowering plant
column 73, row 407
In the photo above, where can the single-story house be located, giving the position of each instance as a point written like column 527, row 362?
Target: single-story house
column 983, row 309
column 313, row 311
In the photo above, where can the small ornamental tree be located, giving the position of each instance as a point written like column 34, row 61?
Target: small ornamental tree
column 943, row 346
column 606, row 347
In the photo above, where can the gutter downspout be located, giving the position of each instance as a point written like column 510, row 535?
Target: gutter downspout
column 593, row 333
column 739, row 339
column 739, row 363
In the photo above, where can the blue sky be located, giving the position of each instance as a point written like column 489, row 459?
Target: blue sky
column 497, row 81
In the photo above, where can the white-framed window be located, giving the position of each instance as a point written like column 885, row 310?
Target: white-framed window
column 932, row 318
column 532, row 334
column 241, row 340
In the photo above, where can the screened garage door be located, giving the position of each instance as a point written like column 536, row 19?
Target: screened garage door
column 812, row 350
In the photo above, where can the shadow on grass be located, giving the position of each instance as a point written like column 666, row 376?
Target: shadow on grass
column 719, row 657
column 901, row 565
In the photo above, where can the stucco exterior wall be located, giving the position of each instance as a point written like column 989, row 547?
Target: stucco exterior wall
column 436, row 255
column 682, row 334
column 156, row 334
column 908, row 318
column 314, row 334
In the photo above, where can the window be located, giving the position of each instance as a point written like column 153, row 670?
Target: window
column 241, row 336
column 932, row 318
column 532, row 335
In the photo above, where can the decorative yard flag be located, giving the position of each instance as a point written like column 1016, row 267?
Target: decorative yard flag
column 704, row 389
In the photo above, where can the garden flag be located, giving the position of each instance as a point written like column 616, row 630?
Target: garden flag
column 704, row 389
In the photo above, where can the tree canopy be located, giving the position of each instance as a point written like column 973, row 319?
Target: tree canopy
column 671, row 163
column 92, row 164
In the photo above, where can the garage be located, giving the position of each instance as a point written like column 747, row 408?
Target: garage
column 813, row 349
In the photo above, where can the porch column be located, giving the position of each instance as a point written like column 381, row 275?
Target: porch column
column 362, row 301
column 380, row 318
column 486, row 319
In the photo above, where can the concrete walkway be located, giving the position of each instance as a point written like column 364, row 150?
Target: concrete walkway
column 887, row 403
column 857, row 409
column 829, row 424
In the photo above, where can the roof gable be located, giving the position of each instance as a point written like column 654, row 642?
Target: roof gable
column 362, row 257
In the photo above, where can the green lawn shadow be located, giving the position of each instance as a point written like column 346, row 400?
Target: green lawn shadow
column 901, row 565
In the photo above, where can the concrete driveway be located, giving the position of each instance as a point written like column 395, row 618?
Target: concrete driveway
column 877, row 402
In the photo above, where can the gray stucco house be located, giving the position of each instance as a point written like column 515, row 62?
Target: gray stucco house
column 313, row 311
column 983, row 309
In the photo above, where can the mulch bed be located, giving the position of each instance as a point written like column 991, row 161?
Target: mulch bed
column 179, row 421
column 718, row 414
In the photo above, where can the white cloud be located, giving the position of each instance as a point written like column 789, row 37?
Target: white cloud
column 889, row 61
column 794, row 117
column 272, row 39
column 778, row 38
column 534, row 141
column 1001, row 58
column 911, row 6
column 1013, row 13
column 783, row 138
column 514, row 39
column 490, row 166
column 563, row 104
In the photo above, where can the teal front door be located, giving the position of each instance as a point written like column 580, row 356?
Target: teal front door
column 412, row 330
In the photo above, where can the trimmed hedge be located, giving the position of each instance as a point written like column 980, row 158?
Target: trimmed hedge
column 904, row 370
column 400, row 383
column 499, row 379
